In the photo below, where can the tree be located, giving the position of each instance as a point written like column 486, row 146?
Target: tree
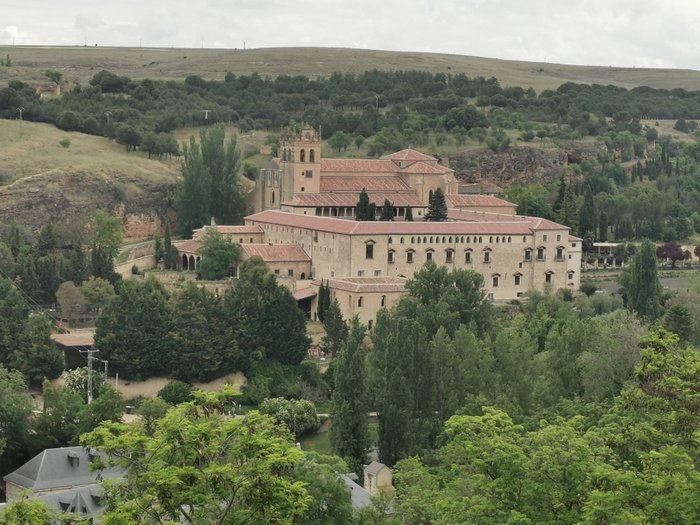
column 132, row 332
column 340, row 141
column 70, row 300
column 265, row 321
column 672, row 251
column 14, row 312
column 176, row 392
column 168, row 251
column 641, row 283
column 403, row 385
column 219, row 253
column 151, row 411
column 128, row 136
column 324, row 301
column 349, row 403
column 364, row 211
column 387, row 211
column 299, row 415
column 39, row 356
column 437, row 207
column 201, row 466
column 31, row 511
column 587, row 215
column 97, row 293
column 497, row 140
column 409, row 214
column 336, row 330
column 15, row 409
column 210, row 181
column 108, row 233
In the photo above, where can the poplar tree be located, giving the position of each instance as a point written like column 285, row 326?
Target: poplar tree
column 349, row 404
column 641, row 283
column 336, row 329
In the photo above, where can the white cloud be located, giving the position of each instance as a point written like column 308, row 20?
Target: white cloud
column 623, row 32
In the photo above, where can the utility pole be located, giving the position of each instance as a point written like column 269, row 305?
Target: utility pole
column 20, row 109
column 108, row 114
column 90, row 358
column 206, row 115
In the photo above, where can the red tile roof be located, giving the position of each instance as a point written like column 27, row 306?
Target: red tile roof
column 502, row 225
column 409, row 154
column 358, row 183
column 276, row 252
column 191, row 246
column 459, row 201
column 305, row 293
column 573, row 238
column 536, row 223
column 368, row 284
column 423, row 168
column 367, row 166
column 349, row 199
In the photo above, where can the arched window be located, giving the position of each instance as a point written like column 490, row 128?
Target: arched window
column 425, row 240
column 273, row 196
column 412, row 240
column 401, row 241
column 312, row 155
column 302, row 276
column 383, row 303
column 390, row 240
column 359, row 302
column 302, row 156
column 431, row 240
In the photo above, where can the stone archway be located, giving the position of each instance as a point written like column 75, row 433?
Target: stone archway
column 192, row 263
column 184, row 262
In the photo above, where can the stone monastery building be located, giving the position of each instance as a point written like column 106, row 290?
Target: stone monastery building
column 305, row 230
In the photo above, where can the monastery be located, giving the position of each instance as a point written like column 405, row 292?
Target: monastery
column 306, row 233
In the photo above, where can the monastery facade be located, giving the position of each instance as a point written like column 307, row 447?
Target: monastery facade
column 305, row 231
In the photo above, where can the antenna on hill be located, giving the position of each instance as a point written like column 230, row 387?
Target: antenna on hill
column 206, row 115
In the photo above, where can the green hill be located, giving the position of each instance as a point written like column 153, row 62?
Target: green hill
column 81, row 63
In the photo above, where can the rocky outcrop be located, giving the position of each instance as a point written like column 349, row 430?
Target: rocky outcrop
column 525, row 165
column 69, row 199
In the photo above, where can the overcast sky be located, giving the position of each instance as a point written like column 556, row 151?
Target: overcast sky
column 641, row 33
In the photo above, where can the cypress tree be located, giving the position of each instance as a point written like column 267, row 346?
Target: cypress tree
column 387, row 211
column 641, row 282
column 324, row 301
column 437, row 208
column 362, row 210
column 168, row 255
column 349, row 404
column 603, row 227
column 336, row 329
column 587, row 215
column 409, row 214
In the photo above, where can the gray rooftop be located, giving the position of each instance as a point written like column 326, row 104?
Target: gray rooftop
column 375, row 467
column 57, row 468
column 359, row 497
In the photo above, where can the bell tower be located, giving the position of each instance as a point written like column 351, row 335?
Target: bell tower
column 300, row 159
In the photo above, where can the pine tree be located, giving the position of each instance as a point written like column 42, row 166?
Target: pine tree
column 437, row 208
column 387, row 211
column 349, row 434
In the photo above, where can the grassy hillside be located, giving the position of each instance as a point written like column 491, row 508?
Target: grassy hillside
column 29, row 149
column 81, row 63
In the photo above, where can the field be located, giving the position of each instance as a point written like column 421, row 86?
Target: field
column 79, row 64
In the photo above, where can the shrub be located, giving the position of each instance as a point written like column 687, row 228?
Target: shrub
column 176, row 392
column 298, row 414
column 65, row 143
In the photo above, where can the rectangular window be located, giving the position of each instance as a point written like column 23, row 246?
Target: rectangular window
column 390, row 258
column 290, row 272
column 468, row 257
column 544, row 238
column 548, row 278
column 369, row 251
column 517, row 280
column 540, row 254
column 560, row 254
column 409, row 257
column 495, row 281
column 487, row 257
column 429, row 256
column 360, row 273
column 559, row 237
column 449, row 255
column 377, row 273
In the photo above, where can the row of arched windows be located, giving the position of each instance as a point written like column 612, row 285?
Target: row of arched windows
column 288, row 155
column 456, row 239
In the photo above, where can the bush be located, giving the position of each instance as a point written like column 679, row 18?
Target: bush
column 64, row 143
column 298, row 414
column 176, row 392
column 588, row 288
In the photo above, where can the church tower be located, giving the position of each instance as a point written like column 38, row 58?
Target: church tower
column 300, row 161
